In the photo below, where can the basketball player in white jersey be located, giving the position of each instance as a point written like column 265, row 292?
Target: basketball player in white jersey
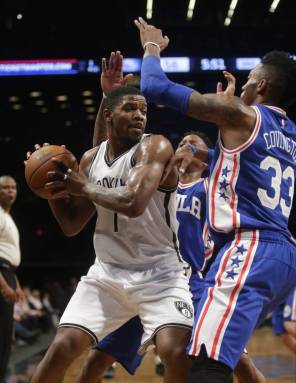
column 10, row 257
column 138, row 269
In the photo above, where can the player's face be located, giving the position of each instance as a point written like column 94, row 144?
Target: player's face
column 8, row 191
column 199, row 143
column 249, row 90
column 129, row 118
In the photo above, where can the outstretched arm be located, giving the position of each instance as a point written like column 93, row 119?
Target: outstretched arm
column 111, row 78
column 227, row 111
column 153, row 154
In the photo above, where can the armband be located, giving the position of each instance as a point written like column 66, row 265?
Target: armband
column 156, row 87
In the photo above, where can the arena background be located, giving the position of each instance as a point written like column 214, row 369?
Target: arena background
column 56, row 109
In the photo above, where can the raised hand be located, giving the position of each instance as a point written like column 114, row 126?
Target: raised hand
column 182, row 158
column 149, row 33
column 230, row 89
column 112, row 73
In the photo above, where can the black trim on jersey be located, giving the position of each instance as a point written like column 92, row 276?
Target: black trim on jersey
column 110, row 163
column 82, row 328
column 171, row 190
column 115, row 221
column 133, row 159
column 168, row 221
column 93, row 159
column 142, row 348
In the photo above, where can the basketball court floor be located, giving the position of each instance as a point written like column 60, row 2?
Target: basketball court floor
column 276, row 362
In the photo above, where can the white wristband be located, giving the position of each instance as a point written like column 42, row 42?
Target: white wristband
column 151, row 43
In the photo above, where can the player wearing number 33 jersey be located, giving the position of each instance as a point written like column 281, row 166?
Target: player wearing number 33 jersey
column 253, row 186
column 249, row 202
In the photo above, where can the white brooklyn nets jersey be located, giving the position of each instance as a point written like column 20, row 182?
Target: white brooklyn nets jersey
column 133, row 242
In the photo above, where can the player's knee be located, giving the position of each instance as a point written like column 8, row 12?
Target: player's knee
column 207, row 370
column 171, row 345
column 65, row 346
column 97, row 361
column 171, row 353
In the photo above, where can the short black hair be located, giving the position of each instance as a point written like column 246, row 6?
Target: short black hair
column 202, row 135
column 281, row 70
column 115, row 97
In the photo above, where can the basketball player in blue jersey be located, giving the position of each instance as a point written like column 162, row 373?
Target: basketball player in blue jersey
column 284, row 321
column 196, row 245
column 251, row 189
column 138, row 269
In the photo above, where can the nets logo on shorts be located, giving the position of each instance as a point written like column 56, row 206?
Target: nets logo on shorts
column 184, row 308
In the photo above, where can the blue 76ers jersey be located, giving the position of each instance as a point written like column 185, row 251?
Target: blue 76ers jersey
column 195, row 244
column 252, row 187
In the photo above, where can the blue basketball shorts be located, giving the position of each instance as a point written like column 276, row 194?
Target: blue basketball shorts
column 123, row 344
column 250, row 276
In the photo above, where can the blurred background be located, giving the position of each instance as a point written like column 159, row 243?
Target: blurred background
column 50, row 55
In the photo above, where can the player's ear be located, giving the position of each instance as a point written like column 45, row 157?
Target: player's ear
column 262, row 86
column 108, row 115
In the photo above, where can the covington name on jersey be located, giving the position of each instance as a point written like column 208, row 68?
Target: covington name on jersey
column 276, row 139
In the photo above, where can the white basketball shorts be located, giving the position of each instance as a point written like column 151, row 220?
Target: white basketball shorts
column 108, row 296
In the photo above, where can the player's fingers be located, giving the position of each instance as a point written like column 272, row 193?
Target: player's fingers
column 231, row 80
column 54, row 185
column 184, row 164
column 229, row 75
column 59, row 164
column 111, row 59
column 142, row 22
column 104, row 65
column 126, row 78
column 138, row 25
column 167, row 40
column 45, row 144
column 118, row 61
column 219, row 87
column 54, row 175
column 37, row 146
column 28, row 155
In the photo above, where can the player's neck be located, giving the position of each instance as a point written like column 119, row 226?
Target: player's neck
column 265, row 100
column 188, row 178
column 116, row 148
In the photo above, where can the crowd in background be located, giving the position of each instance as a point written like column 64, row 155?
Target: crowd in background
column 37, row 314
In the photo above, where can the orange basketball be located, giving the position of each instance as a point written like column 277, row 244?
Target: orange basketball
column 40, row 163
